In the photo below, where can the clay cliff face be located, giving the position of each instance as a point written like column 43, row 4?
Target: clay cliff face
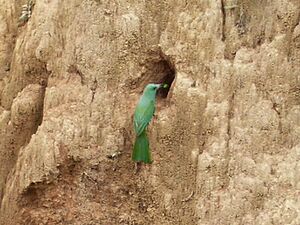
column 225, row 138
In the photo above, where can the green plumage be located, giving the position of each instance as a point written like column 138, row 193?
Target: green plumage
column 142, row 116
column 141, row 151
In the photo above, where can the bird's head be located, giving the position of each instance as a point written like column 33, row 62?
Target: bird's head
column 151, row 89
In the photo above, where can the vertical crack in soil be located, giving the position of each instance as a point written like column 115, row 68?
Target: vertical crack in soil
column 223, row 20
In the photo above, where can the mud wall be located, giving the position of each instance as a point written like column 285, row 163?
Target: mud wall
column 225, row 139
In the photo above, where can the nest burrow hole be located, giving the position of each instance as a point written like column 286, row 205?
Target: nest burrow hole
column 163, row 72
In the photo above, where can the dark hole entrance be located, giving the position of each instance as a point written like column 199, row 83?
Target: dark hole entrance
column 168, row 77
column 157, row 69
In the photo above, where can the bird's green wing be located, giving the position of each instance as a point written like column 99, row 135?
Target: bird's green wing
column 142, row 116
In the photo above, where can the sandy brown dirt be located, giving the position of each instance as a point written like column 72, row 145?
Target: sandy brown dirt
column 225, row 138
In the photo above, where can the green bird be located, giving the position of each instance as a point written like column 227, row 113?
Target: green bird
column 142, row 116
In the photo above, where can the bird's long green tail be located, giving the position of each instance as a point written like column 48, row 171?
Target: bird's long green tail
column 141, row 151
